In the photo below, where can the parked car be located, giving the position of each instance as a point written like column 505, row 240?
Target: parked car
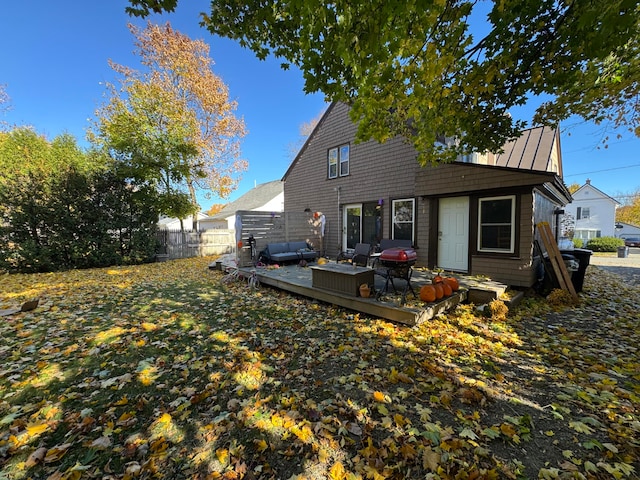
column 632, row 242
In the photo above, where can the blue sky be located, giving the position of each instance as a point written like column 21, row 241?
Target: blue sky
column 53, row 62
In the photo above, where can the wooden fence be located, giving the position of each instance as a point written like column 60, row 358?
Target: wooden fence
column 265, row 227
column 177, row 244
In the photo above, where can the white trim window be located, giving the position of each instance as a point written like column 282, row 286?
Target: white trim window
column 338, row 161
column 496, row 224
column 403, row 215
column 583, row 213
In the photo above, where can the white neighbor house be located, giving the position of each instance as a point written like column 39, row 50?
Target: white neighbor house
column 268, row 197
column 593, row 213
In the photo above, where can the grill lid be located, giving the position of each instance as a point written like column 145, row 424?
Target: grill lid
column 398, row 255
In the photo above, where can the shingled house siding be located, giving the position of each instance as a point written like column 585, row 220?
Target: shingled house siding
column 390, row 171
column 376, row 171
column 515, row 270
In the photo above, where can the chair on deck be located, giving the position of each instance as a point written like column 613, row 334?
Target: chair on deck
column 358, row 256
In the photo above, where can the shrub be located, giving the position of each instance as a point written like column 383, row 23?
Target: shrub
column 577, row 243
column 605, row 244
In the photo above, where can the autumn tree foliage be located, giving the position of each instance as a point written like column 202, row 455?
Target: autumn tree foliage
column 172, row 123
column 454, row 68
column 630, row 213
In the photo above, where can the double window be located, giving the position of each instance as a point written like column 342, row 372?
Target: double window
column 338, row 159
column 496, row 229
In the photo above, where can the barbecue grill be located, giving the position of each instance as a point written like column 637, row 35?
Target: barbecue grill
column 397, row 262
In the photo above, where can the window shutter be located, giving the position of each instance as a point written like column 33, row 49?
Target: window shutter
column 578, row 213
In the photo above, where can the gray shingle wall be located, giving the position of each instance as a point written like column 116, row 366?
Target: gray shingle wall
column 376, row 172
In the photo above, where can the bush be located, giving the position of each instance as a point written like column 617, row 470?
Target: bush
column 605, row 244
column 74, row 220
column 577, row 243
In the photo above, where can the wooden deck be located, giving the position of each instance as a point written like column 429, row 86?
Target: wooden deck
column 389, row 306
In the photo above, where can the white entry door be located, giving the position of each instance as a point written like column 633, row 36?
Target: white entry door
column 453, row 234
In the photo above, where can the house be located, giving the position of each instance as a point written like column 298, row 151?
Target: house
column 173, row 224
column 592, row 214
column 626, row 230
column 475, row 216
column 268, row 197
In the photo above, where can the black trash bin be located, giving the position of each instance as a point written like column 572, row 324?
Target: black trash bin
column 583, row 257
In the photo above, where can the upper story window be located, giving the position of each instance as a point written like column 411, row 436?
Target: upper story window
column 496, row 232
column 338, row 159
column 583, row 213
column 403, row 214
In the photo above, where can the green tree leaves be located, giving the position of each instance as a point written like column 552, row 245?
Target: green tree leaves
column 416, row 69
column 61, row 208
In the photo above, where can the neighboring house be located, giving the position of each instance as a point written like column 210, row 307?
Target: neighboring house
column 173, row 224
column 268, row 197
column 594, row 213
column 475, row 216
column 625, row 230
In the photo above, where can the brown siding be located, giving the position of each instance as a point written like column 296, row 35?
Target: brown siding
column 517, row 270
column 463, row 179
column 377, row 171
column 390, row 171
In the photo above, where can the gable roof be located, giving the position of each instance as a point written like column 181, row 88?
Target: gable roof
column 597, row 190
column 254, row 198
column 532, row 150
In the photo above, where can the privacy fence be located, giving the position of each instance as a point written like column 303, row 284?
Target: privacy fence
column 177, row 244
column 265, row 227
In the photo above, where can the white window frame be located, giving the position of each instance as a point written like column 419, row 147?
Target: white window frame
column 338, row 161
column 332, row 159
column 512, row 240
column 399, row 217
column 344, row 154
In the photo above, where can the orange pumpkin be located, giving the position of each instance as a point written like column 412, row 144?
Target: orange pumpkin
column 428, row 293
column 453, row 283
column 439, row 290
column 446, row 288
column 437, row 279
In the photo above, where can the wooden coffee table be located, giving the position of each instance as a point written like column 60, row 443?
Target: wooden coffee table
column 341, row 278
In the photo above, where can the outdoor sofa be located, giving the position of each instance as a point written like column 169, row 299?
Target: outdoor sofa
column 282, row 252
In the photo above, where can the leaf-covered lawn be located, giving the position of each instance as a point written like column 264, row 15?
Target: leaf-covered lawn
column 161, row 371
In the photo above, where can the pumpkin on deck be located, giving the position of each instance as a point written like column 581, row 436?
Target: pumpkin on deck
column 428, row 293
column 453, row 283
column 439, row 290
column 446, row 288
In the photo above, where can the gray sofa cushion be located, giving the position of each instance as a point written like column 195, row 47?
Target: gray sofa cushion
column 295, row 246
column 275, row 248
column 289, row 251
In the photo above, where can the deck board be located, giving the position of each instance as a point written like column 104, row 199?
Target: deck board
column 297, row 280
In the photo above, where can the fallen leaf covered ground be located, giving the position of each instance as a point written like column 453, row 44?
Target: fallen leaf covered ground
column 162, row 371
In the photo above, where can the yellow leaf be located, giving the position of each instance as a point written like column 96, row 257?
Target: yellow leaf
column 261, row 444
column 37, row 429
column 123, row 401
column 337, row 471
column 222, row 454
column 378, row 397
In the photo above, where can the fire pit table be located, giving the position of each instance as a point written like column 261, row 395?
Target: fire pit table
column 341, row 278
